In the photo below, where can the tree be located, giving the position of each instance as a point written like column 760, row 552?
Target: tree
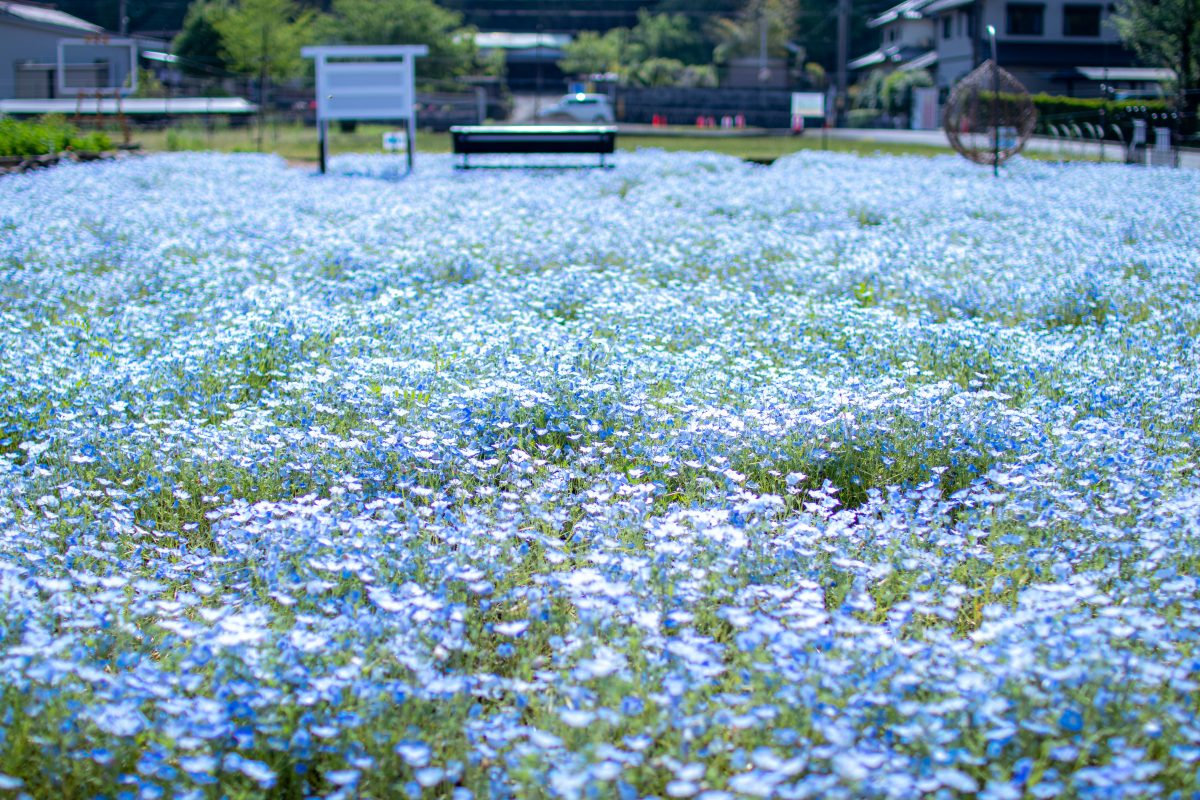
column 658, row 72
column 669, row 36
column 896, row 92
column 592, row 53
column 264, row 37
column 452, row 50
column 1167, row 33
column 742, row 35
column 198, row 44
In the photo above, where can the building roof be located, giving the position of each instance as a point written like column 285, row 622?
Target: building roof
column 902, row 55
column 505, row 40
column 47, row 17
column 920, row 62
column 1127, row 74
column 134, row 106
column 909, row 9
column 938, row 6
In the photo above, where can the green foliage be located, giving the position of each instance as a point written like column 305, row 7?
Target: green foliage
column 198, row 44
column 590, row 52
column 149, row 85
column 868, row 93
column 265, row 36
column 50, row 135
column 1058, row 111
column 661, row 50
column 1164, row 32
column 664, row 36
column 741, row 35
column 658, row 72
column 1054, row 105
column 698, row 76
column 452, row 50
column 816, row 75
column 862, row 117
column 896, row 91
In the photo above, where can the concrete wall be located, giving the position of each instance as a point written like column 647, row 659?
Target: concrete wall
column 20, row 43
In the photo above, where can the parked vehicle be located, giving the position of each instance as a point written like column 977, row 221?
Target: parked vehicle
column 580, row 107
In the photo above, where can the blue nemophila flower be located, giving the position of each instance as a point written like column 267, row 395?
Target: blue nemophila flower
column 693, row 478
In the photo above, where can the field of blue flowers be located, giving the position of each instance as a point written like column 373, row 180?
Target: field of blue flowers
column 839, row 478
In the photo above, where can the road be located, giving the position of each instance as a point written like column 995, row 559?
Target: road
column 1044, row 144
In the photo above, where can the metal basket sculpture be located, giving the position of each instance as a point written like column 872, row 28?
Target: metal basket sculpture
column 989, row 116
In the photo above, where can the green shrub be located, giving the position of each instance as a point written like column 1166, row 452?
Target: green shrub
column 51, row 134
column 862, row 117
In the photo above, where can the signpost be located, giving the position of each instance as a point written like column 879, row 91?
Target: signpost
column 376, row 82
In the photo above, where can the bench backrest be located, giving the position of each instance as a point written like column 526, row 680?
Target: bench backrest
column 471, row 139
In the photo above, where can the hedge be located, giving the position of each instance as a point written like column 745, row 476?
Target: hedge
column 47, row 136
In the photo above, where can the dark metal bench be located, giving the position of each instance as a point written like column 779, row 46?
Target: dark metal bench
column 489, row 139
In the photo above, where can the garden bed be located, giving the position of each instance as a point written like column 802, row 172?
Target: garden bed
column 841, row 477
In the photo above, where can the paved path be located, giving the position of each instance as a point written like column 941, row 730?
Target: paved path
column 1042, row 144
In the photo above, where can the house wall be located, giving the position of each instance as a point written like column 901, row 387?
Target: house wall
column 1030, row 58
column 957, row 51
column 20, row 43
column 995, row 13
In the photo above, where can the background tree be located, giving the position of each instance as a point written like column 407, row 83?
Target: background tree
column 895, row 94
column 452, row 50
column 1167, row 33
column 263, row 38
column 669, row 36
column 589, row 53
column 742, row 35
column 658, row 72
column 198, row 43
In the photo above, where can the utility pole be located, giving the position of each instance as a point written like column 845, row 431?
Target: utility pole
column 262, row 87
column 123, row 17
column 843, row 47
column 991, row 29
column 763, row 72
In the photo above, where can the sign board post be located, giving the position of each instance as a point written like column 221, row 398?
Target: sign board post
column 375, row 82
column 806, row 104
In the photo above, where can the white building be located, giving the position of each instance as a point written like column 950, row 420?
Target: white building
column 1063, row 47
column 906, row 39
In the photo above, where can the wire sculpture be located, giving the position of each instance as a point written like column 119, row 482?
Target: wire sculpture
column 989, row 116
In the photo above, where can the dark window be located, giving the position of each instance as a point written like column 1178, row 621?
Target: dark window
column 971, row 23
column 1025, row 19
column 1081, row 20
column 946, row 23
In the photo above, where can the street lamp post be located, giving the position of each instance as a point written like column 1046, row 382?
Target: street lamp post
column 991, row 29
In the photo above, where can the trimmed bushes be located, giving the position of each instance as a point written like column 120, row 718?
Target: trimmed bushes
column 47, row 136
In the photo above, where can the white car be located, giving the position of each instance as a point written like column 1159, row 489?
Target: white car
column 580, row 107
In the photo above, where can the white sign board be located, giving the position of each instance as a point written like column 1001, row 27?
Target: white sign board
column 96, row 65
column 362, row 83
column 808, row 104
